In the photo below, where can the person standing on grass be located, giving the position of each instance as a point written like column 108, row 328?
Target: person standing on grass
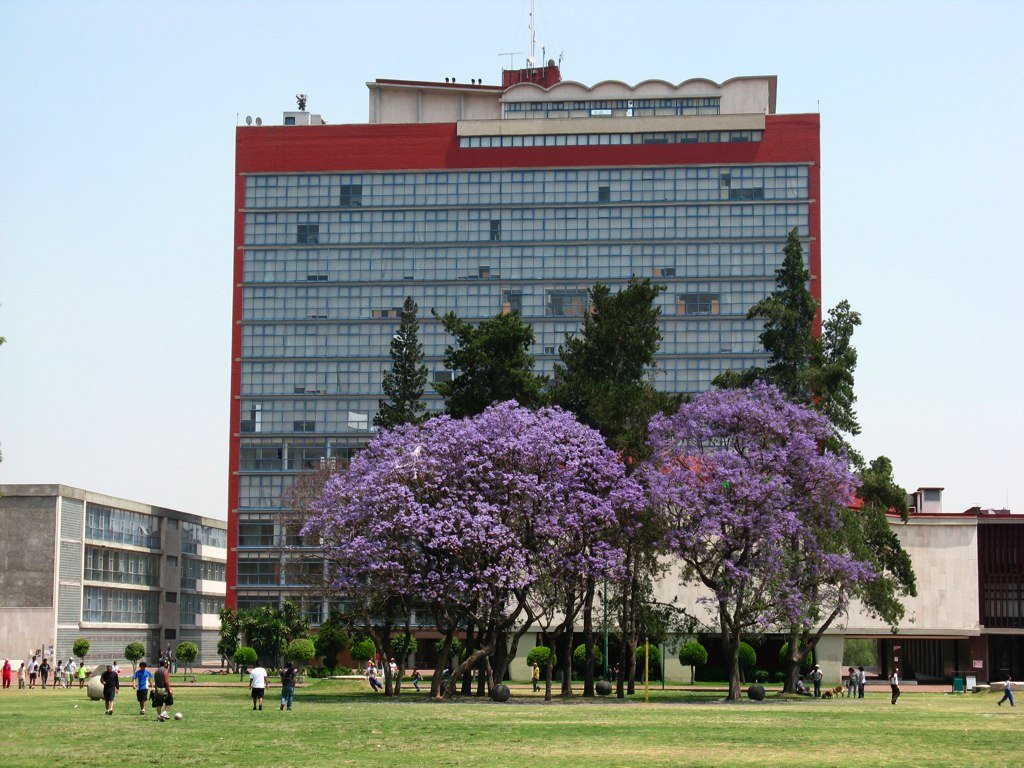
column 162, row 697
column 142, row 680
column 83, row 673
column 44, row 671
column 69, row 672
column 1007, row 692
column 371, row 676
column 535, row 677
column 416, row 678
column 894, row 684
column 111, row 685
column 7, row 673
column 287, row 686
column 851, row 683
column 862, row 680
column 816, row 675
column 33, row 672
column 258, row 684
column 21, row 675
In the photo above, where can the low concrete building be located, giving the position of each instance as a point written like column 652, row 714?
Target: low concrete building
column 79, row 564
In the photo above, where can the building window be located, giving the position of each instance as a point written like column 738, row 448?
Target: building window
column 255, row 534
column 749, row 193
column 664, row 271
column 307, row 234
column 511, row 301
column 119, row 606
column 483, row 272
column 255, row 421
column 442, row 377
column 495, row 229
column 121, row 567
column 567, row 303
column 304, row 426
column 122, row 527
column 698, row 304
column 257, row 572
column 316, row 278
column 351, row 195
column 172, row 561
column 289, row 121
column 604, row 194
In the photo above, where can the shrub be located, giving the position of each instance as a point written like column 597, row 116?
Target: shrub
column 245, row 657
column 300, row 650
column 778, row 677
column 80, row 648
column 711, row 674
column 456, row 650
column 362, row 650
column 330, row 640
column 760, row 675
column 342, row 671
column 748, row 657
column 693, row 654
column 538, row 655
column 133, row 652
column 579, row 658
column 805, row 666
column 187, row 653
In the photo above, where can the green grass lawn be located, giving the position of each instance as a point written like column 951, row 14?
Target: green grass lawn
column 341, row 723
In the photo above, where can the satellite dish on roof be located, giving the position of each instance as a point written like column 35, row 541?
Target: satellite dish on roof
column 248, row 119
column 259, row 121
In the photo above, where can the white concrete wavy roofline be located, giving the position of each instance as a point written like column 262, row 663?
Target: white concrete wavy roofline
column 654, row 87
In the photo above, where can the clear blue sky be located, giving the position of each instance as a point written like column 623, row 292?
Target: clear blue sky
column 116, row 160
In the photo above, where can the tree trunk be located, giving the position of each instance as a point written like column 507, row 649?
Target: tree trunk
column 793, row 661
column 441, row 664
column 588, row 640
column 468, row 663
column 731, row 639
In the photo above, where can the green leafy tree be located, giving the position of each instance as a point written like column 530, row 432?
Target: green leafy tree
column 187, row 653
column 295, row 624
column 403, row 647
column 133, row 652
column 860, row 652
column 579, row 657
column 538, row 655
column 245, row 657
column 80, row 648
column 490, row 363
column 362, row 650
column 230, row 634
column 331, row 639
column 641, row 653
column 405, row 382
column 266, row 631
column 806, row 663
column 301, row 650
column 605, row 378
column 693, row 654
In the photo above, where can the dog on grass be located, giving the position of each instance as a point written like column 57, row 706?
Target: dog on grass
column 834, row 693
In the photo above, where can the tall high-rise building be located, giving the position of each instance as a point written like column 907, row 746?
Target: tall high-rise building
column 484, row 199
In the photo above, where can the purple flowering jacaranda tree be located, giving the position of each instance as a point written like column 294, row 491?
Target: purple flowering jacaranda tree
column 467, row 516
column 741, row 477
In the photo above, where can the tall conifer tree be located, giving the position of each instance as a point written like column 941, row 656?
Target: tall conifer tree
column 405, row 382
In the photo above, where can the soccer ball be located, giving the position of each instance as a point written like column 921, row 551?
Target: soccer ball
column 177, row 715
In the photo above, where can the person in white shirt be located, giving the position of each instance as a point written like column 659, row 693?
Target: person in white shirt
column 69, row 673
column 894, row 684
column 258, row 684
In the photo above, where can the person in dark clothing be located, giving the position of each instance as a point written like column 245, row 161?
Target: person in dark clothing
column 287, row 686
column 162, row 697
column 44, row 671
column 111, row 685
column 894, row 685
column 1007, row 692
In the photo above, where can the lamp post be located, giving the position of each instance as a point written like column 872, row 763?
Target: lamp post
column 605, row 629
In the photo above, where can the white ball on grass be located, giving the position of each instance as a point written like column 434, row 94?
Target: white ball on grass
column 178, row 715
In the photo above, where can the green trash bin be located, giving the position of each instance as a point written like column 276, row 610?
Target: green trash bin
column 174, row 667
column 959, row 684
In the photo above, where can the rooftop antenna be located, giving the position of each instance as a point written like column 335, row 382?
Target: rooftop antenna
column 301, row 99
column 511, row 61
column 531, row 60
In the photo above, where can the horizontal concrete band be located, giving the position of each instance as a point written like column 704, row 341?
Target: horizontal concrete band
column 567, row 125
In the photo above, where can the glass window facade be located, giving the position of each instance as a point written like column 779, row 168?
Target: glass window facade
column 121, row 567
column 190, row 605
column 121, row 526
column 193, row 570
column 194, row 534
column 120, row 606
column 317, row 315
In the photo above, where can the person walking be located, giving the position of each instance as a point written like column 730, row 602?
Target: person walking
column 851, row 683
column 894, row 684
column 83, row 673
column 1007, row 692
column 162, row 696
column 371, row 677
column 258, row 685
column 58, row 674
column 862, row 680
column 111, row 685
column 21, row 676
column 416, row 678
column 44, row 671
column 69, row 672
column 33, row 672
column 535, row 677
column 287, row 686
column 7, row 673
column 142, row 680
column 816, row 675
